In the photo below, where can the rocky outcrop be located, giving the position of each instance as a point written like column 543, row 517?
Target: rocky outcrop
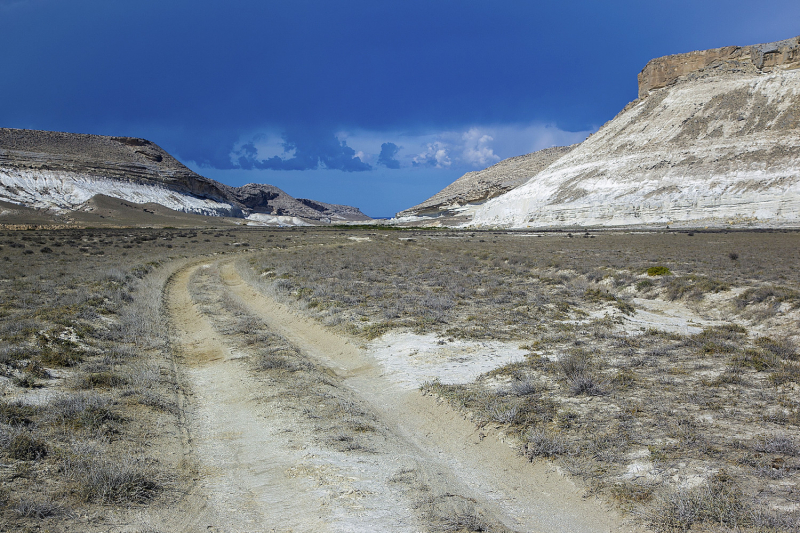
column 475, row 188
column 335, row 211
column 61, row 171
column 717, row 146
column 663, row 71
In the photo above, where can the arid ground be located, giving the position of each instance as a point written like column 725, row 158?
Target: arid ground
column 368, row 379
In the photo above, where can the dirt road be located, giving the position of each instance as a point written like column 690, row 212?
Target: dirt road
column 278, row 451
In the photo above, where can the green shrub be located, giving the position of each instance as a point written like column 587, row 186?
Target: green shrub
column 658, row 271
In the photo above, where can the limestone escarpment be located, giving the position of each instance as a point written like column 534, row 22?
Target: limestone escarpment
column 663, row 71
column 61, row 171
column 714, row 147
column 479, row 186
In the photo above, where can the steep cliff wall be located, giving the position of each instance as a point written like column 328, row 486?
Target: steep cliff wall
column 719, row 146
column 663, row 71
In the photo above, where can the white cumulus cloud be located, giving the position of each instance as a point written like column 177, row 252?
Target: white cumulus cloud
column 435, row 155
column 476, row 149
column 468, row 148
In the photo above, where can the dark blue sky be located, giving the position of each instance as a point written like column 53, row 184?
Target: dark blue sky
column 377, row 104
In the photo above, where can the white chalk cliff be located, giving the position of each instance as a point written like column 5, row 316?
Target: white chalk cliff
column 714, row 139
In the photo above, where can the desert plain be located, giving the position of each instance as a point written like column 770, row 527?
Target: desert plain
column 384, row 379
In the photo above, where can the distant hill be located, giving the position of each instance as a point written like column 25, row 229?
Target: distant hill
column 712, row 140
column 458, row 199
column 63, row 171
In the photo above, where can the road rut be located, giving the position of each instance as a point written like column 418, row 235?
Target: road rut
column 259, row 466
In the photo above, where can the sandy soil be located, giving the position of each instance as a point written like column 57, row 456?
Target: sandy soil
column 263, row 464
column 411, row 359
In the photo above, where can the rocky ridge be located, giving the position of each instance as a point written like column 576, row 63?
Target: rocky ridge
column 766, row 57
column 477, row 187
column 714, row 139
column 62, row 171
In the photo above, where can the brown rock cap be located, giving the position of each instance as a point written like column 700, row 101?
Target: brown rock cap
column 663, row 71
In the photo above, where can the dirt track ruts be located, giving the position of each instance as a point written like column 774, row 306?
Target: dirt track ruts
column 244, row 454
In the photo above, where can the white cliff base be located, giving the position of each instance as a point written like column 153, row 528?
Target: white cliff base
column 713, row 149
column 262, row 219
column 61, row 191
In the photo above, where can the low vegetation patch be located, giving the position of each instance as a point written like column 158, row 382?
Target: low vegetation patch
column 694, row 287
column 658, row 271
column 82, row 349
column 635, row 415
column 686, row 431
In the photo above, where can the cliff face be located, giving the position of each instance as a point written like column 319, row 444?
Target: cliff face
column 479, row 186
column 61, row 171
column 716, row 146
column 663, row 71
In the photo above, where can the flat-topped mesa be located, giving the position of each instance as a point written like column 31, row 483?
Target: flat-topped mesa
column 663, row 71
column 717, row 146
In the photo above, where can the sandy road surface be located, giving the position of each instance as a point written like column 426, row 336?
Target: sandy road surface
column 239, row 458
column 262, row 467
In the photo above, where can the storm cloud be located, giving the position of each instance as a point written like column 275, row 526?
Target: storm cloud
column 387, row 155
column 310, row 150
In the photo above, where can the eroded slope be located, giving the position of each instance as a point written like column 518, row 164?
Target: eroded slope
column 718, row 145
column 62, row 171
column 477, row 187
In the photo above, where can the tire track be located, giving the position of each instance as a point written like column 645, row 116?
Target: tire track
column 271, row 453
column 520, row 495
column 240, row 461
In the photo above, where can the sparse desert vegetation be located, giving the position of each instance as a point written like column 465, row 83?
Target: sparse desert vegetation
column 680, row 426
column 88, row 403
column 689, row 424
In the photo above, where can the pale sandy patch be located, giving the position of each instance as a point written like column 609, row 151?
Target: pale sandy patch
column 666, row 316
column 409, row 359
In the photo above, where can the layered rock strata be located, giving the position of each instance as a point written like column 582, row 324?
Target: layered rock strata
column 663, row 71
column 61, row 171
column 717, row 144
column 474, row 188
